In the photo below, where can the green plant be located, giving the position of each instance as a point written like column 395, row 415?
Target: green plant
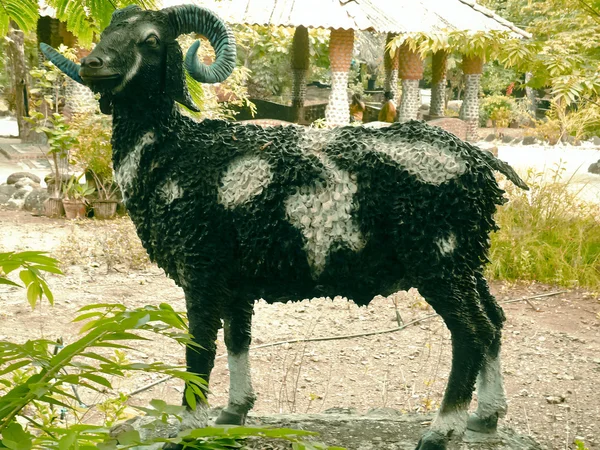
column 32, row 264
column 498, row 108
column 547, row 234
column 73, row 190
column 34, row 377
column 93, row 151
column 60, row 140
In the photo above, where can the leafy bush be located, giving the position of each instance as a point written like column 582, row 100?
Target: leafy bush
column 497, row 108
column 496, row 79
column 547, row 234
column 38, row 383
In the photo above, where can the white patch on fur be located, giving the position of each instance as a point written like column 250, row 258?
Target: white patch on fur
column 126, row 172
column 429, row 163
column 491, row 397
column 197, row 418
column 454, row 422
column 240, row 382
column 244, row 179
column 323, row 211
column 171, row 191
column 130, row 73
column 447, row 245
column 133, row 19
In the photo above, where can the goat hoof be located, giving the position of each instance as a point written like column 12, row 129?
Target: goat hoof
column 432, row 440
column 483, row 425
column 229, row 418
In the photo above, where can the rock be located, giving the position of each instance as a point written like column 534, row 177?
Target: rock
column 34, row 202
column 14, row 177
column 596, row 140
column 507, row 139
column 20, row 194
column 49, row 179
column 595, row 168
column 24, row 182
column 6, row 192
column 555, row 399
column 490, row 137
column 529, row 140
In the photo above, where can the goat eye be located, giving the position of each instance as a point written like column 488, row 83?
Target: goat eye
column 152, row 41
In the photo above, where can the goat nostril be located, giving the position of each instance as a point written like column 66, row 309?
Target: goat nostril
column 92, row 62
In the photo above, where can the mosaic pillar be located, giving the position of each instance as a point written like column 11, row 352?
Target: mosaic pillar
column 300, row 64
column 410, row 69
column 469, row 111
column 341, row 44
column 438, row 84
column 390, row 63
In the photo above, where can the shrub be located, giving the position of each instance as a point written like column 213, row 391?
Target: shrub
column 547, row 234
column 497, row 108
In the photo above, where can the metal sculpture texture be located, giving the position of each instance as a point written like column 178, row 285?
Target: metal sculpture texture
column 234, row 213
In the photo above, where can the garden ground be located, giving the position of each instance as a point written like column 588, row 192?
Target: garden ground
column 551, row 349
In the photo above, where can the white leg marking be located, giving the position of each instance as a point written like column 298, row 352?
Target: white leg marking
column 171, row 191
column 447, row 245
column 126, row 172
column 454, row 422
column 197, row 418
column 241, row 393
column 491, row 397
column 244, row 179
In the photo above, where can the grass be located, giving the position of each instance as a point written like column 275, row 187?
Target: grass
column 547, row 235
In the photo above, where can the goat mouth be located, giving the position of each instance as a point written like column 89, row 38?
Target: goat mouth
column 99, row 78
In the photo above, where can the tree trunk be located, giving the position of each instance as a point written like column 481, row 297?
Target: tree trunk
column 300, row 64
column 531, row 96
column 438, row 84
column 390, row 63
column 341, row 45
column 16, row 53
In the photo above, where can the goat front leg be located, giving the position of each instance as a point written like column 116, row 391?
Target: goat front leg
column 491, row 397
column 457, row 301
column 238, row 327
column 204, row 322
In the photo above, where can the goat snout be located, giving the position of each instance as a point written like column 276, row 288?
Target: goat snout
column 92, row 62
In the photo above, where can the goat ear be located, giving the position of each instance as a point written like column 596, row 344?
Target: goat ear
column 175, row 83
column 106, row 106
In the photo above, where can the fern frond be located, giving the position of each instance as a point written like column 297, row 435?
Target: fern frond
column 23, row 12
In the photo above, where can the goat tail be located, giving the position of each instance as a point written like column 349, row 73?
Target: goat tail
column 504, row 168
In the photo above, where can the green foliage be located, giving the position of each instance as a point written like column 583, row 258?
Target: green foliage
column 547, row 235
column 265, row 52
column 23, row 12
column 39, row 379
column 61, row 139
column 93, row 150
column 32, row 265
column 74, row 190
column 496, row 78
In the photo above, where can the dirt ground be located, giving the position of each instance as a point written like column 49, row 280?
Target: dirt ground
column 551, row 354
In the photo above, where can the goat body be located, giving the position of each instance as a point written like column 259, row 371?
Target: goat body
column 235, row 212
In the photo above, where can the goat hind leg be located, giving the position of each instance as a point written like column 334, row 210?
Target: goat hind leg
column 238, row 324
column 457, row 301
column 491, row 397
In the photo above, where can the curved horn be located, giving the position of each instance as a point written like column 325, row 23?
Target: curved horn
column 195, row 19
column 67, row 66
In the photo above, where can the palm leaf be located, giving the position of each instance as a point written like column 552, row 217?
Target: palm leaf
column 23, row 12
